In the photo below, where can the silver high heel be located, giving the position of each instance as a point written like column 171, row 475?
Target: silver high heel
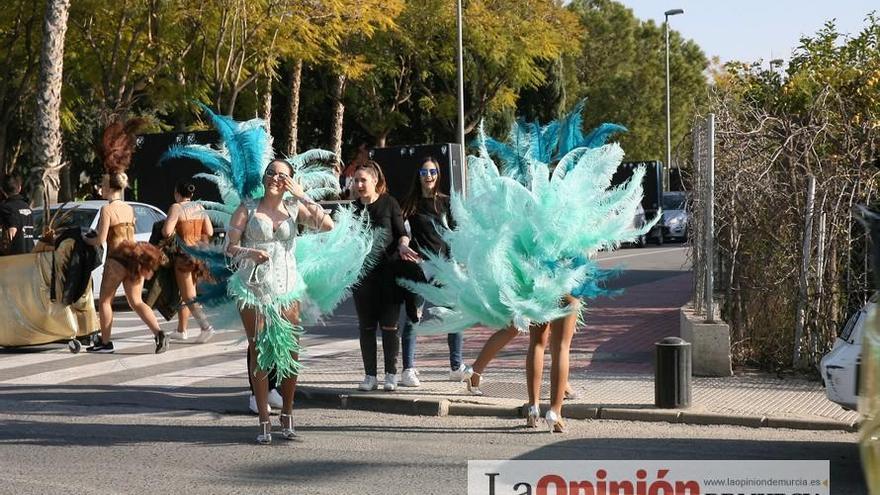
column 265, row 437
column 533, row 415
column 554, row 422
column 469, row 373
column 287, row 431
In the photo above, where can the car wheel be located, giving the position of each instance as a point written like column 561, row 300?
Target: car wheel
column 642, row 241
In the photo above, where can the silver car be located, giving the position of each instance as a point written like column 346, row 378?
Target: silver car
column 675, row 216
column 86, row 218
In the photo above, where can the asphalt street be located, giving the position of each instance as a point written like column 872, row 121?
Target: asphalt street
column 135, row 422
column 135, row 450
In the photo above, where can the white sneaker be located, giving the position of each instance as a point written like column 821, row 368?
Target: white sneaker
column 252, row 405
column 409, row 378
column 390, row 382
column 369, row 383
column 205, row 335
column 458, row 375
column 275, row 401
column 175, row 335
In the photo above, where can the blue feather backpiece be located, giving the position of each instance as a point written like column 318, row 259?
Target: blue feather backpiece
column 524, row 236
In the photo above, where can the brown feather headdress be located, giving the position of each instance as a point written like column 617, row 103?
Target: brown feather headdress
column 117, row 145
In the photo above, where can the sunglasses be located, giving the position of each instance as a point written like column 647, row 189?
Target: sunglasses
column 276, row 175
column 424, row 172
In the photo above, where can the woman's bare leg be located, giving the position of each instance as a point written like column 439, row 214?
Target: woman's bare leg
column 535, row 360
column 560, row 345
column 261, row 384
column 187, row 287
column 114, row 274
column 288, row 385
column 133, row 290
column 490, row 349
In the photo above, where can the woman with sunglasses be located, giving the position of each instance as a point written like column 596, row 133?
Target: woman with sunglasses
column 262, row 240
column 375, row 298
column 427, row 210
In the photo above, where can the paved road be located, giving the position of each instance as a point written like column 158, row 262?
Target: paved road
column 176, row 422
column 134, row 367
column 124, row 450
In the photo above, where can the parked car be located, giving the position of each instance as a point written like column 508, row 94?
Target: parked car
column 675, row 216
column 840, row 367
column 86, row 218
column 637, row 222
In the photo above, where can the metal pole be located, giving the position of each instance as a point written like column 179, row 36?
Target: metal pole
column 697, row 236
column 668, row 119
column 709, row 255
column 460, row 133
column 805, row 268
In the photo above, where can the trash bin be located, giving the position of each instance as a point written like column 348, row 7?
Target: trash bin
column 672, row 373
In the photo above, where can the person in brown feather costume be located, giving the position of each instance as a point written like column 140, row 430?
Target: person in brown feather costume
column 128, row 262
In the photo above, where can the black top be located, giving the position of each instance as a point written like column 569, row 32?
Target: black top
column 426, row 223
column 384, row 215
column 15, row 212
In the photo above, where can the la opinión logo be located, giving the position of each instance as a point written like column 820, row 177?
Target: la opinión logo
column 556, row 484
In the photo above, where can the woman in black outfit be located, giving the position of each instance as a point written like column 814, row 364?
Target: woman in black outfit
column 427, row 211
column 375, row 298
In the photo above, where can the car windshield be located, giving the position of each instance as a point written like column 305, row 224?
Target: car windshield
column 673, row 202
column 81, row 217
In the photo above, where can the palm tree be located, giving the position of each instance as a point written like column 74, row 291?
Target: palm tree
column 47, row 128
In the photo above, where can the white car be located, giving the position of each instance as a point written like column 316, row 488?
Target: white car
column 840, row 367
column 86, row 218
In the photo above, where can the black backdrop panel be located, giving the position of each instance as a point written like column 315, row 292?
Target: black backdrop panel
column 401, row 164
column 154, row 184
column 652, row 183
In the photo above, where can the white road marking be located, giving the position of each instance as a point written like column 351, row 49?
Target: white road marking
column 645, row 253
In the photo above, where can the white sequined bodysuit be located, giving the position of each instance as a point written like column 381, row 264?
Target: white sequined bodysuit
column 276, row 280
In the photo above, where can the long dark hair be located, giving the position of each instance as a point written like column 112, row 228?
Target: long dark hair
column 411, row 201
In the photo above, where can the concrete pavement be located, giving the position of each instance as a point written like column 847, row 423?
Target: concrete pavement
column 611, row 366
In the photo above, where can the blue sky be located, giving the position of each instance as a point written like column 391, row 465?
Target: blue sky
column 749, row 30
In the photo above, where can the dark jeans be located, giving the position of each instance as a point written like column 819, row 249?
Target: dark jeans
column 374, row 309
column 454, row 340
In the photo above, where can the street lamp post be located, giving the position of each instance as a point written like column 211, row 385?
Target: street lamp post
column 668, row 119
column 460, row 129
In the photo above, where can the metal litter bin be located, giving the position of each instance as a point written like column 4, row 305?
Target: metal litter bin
column 672, row 373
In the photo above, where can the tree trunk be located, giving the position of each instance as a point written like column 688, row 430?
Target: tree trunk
column 338, row 115
column 381, row 138
column 266, row 103
column 4, row 166
column 293, row 115
column 65, row 189
column 47, row 125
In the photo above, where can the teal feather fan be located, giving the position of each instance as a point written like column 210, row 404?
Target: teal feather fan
column 523, row 236
column 328, row 263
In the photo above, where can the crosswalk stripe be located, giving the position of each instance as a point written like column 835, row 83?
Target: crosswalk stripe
column 121, row 340
column 237, row 365
column 129, row 363
column 188, row 376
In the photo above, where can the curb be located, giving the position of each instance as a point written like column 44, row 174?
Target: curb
column 446, row 407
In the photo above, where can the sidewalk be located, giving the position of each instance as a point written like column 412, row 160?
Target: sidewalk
column 611, row 371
